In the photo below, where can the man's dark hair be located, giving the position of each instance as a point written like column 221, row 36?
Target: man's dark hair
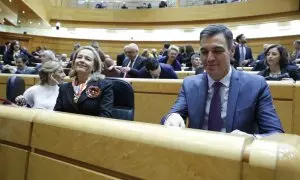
column 167, row 45
column 239, row 37
column 215, row 29
column 284, row 57
column 151, row 64
column 7, row 43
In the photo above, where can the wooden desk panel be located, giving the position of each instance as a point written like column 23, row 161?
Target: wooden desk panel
column 13, row 163
column 284, row 110
column 45, row 168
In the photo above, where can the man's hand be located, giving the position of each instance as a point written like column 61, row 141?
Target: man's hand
column 245, row 62
column 241, row 133
column 125, row 69
column 175, row 120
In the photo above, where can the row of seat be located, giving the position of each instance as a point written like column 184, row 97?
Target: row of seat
column 48, row 145
column 153, row 98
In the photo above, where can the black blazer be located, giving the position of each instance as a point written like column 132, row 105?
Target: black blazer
column 236, row 56
column 139, row 63
column 290, row 71
column 9, row 57
column 99, row 106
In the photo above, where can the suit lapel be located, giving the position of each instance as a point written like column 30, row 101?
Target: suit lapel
column 201, row 96
column 234, row 89
column 70, row 95
column 83, row 95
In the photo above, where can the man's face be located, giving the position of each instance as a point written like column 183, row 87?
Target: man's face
column 155, row 73
column 196, row 62
column 243, row 39
column 131, row 53
column 172, row 54
column 215, row 56
column 297, row 46
column 19, row 63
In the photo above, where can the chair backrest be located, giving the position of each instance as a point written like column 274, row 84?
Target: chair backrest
column 15, row 87
column 123, row 99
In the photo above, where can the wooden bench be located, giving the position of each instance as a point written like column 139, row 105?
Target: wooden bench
column 155, row 97
column 69, row 146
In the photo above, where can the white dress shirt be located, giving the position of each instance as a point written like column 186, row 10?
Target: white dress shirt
column 224, row 91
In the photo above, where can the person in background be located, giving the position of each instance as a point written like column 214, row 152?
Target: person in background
column 154, row 53
column 154, row 69
column 124, row 6
column 88, row 93
column 21, row 61
column 132, row 60
column 243, row 54
column 197, row 64
column 109, row 69
column 120, row 58
column 277, row 62
column 163, row 4
column 189, row 51
column 296, row 54
column 171, row 58
column 44, row 95
column 146, row 54
column 76, row 46
column 5, row 48
column 260, row 64
column 46, row 56
column 165, row 49
column 181, row 55
column 219, row 100
column 14, row 51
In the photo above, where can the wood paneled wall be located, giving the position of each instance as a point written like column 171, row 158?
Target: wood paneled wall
column 65, row 45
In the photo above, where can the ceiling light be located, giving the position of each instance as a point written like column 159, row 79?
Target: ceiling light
column 19, row 21
column 30, row 22
column 10, row 1
column 23, row 12
column 39, row 23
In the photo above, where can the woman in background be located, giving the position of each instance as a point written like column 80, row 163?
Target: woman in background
column 277, row 61
column 14, row 51
column 44, row 95
column 88, row 93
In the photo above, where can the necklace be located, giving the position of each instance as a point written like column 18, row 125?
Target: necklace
column 78, row 90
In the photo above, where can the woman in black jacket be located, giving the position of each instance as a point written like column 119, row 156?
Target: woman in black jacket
column 15, row 51
column 278, row 64
column 89, row 93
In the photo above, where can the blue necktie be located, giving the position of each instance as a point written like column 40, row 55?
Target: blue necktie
column 215, row 122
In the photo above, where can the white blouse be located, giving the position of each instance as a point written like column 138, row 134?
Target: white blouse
column 42, row 96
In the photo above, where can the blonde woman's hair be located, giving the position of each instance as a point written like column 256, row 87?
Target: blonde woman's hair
column 47, row 68
column 49, row 55
column 173, row 47
column 96, row 73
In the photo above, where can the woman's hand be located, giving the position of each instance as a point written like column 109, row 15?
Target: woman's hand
column 21, row 101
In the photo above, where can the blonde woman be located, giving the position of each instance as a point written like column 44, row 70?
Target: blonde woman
column 88, row 93
column 44, row 95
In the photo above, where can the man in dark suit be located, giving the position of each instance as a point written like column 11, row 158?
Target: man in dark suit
column 243, row 54
column 132, row 60
column 197, row 64
column 219, row 100
column 154, row 69
column 4, row 49
column 120, row 59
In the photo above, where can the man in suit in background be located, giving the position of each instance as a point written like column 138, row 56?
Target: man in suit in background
column 259, row 64
column 220, row 100
column 132, row 60
column 4, row 49
column 197, row 64
column 243, row 54
column 154, row 69
column 120, row 59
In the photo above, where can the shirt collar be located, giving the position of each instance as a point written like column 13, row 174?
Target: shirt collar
column 225, row 80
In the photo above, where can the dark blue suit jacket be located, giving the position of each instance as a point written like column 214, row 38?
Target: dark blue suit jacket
column 249, row 103
column 259, row 65
column 167, row 72
column 292, row 71
column 139, row 63
column 248, row 56
column 98, row 106
column 176, row 65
